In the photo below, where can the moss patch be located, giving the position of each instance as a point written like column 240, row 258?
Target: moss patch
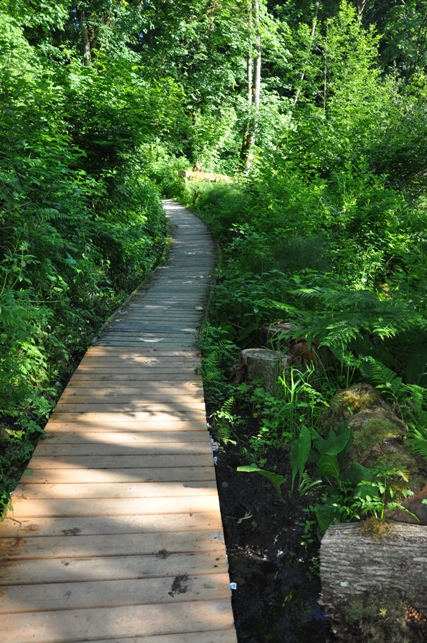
column 382, row 616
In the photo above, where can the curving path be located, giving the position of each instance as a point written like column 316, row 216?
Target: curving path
column 116, row 534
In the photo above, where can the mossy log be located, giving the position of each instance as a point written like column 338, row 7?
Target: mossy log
column 365, row 579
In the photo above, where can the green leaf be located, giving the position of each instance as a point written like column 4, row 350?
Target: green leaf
column 299, row 453
column 337, row 443
column 329, row 467
column 275, row 478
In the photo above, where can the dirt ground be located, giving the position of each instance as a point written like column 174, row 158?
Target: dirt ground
column 273, row 557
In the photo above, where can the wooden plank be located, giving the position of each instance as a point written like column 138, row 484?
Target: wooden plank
column 144, row 352
column 48, row 448
column 170, row 474
column 132, row 438
column 134, row 376
column 129, row 357
column 216, row 636
column 187, row 367
column 137, row 416
column 139, row 342
column 160, row 544
column 116, row 423
column 124, row 462
column 125, row 324
column 113, row 593
column 85, row 490
column 114, row 507
column 134, row 404
column 103, row 525
column 146, row 620
column 160, row 389
column 53, row 570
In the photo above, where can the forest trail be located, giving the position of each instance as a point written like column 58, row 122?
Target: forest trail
column 116, row 532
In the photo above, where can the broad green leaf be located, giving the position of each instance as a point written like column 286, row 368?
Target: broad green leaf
column 275, row 478
column 337, row 443
column 329, row 467
column 299, row 453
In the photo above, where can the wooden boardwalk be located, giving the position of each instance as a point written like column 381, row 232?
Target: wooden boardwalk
column 116, row 533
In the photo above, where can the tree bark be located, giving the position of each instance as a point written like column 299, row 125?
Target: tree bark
column 254, row 88
column 352, row 564
column 87, row 56
column 313, row 33
column 262, row 364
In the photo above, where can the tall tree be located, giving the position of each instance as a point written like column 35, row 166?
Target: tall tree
column 254, row 83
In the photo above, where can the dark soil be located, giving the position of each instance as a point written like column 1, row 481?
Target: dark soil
column 273, row 556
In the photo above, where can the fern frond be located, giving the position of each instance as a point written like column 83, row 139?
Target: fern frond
column 418, row 442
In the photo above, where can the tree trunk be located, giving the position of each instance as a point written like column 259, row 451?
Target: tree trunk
column 361, row 6
column 366, row 580
column 313, row 33
column 87, row 57
column 254, row 89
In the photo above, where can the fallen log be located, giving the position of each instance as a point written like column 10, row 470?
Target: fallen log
column 204, row 176
column 375, row 588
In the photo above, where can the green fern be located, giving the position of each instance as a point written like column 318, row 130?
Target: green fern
column 338, row 316
column 225, row 421
column 418, row 441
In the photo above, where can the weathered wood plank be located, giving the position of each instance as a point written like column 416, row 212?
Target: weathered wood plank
column 134, row 404
column 114, row 507
column 84, row 490
column 159, row 543
column 161, row 390
column 116, row 423
column 49, row 449
column 169, row 474
column 223, row 636
column 134, row 375
column 144, row 620
column 54, row 570
column 113, row 593
column 140, row 416
column 131, row 438
column 126, row 461
column 103, row 525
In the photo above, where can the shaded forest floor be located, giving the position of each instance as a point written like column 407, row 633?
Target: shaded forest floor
column 273, row 556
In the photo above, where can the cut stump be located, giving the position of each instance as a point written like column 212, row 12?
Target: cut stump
column 262, row 364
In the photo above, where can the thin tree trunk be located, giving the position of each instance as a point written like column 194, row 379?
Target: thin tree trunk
column 87, row 57
column 361, row 6
column 254, row 91
column 250, row 78
column 313, row 33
